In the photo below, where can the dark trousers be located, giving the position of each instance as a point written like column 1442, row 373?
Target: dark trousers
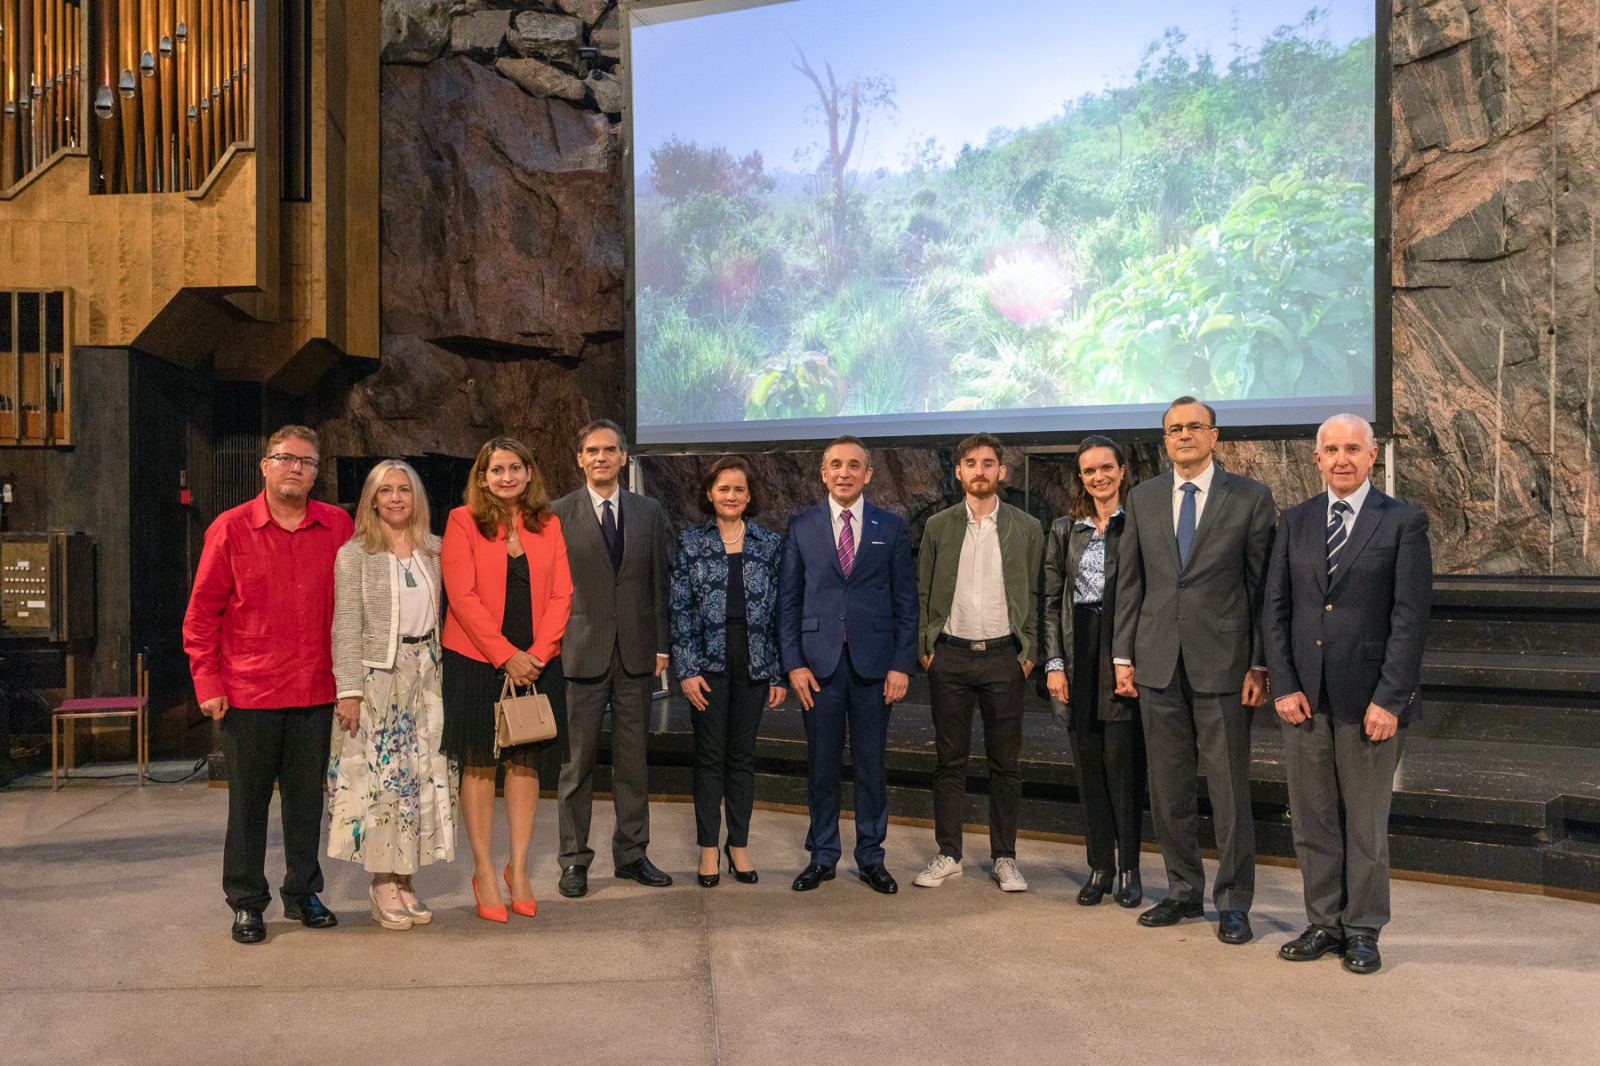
column 725, row 746
column 290, row 748
column 1340, row 785
column 847, row 705
column 628, row 697
column 1185, row 731
column 991, row 680
column 1109, row 757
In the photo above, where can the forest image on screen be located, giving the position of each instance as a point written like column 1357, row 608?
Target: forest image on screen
column 850, row 210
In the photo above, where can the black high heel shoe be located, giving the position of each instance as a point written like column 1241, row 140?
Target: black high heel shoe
column 1094, row 889
column 710, row 880
column 744, row 877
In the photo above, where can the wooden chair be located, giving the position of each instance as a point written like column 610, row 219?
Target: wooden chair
column 64, row 720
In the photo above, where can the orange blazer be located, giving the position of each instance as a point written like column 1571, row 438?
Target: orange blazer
column 475, row 589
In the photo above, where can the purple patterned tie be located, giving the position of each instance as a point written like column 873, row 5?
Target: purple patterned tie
column 847, row 544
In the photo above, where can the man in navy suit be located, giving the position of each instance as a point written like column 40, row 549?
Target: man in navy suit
column 1345, row 618
column 847, row 637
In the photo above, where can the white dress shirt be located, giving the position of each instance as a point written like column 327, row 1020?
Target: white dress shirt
column 1354, row 500
column 596, row 500
column 1202, row 481
column 835, row 508
column 978, row 609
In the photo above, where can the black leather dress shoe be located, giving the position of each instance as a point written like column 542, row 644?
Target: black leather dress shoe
column 1171, row 912
column 310, row 913
column 1311, row 945
column 645, row 872
column 1094, row 890
column 1233, row 927
column 812, row 876
column 1361, row 954
column 248, row 928
column 879, row 879
column 1129, row 892
column 574, row 883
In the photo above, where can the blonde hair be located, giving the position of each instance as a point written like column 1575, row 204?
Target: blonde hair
column 369, row 527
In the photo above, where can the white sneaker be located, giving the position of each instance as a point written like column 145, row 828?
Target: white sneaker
column 1008, row 877
column 940, row 870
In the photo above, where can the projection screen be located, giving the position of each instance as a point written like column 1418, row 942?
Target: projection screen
column 917, row 219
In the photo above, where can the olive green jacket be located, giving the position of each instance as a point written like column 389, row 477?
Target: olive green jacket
column 1021, row 549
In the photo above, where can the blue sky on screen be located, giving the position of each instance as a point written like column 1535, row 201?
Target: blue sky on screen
column 960, row 69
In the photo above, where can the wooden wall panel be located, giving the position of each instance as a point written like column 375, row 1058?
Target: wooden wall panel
column 127, row 256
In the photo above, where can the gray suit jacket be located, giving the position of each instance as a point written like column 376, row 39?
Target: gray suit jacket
column 1210, row 610
column 625, row 608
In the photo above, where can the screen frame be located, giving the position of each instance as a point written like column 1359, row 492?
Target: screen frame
column 1382, row 294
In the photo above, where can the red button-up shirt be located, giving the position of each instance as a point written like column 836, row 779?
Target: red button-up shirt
column 259, row 629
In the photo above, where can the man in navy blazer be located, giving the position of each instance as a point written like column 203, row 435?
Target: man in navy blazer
column 847, row 638
column 1346, row 615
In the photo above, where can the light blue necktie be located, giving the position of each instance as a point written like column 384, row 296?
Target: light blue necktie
column 1186, row 521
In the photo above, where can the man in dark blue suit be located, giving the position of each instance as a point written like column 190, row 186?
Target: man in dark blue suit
column 1346, row 613
column 847, row 637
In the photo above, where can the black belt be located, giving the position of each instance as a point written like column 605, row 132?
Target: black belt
column 998, row 643
column 417, row 640
column 1097, row 608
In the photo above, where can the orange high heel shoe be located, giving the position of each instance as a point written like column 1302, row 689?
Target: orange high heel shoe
column 488, row 914
column 525, row 907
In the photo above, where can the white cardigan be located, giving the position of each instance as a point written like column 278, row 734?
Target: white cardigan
column 366, row 611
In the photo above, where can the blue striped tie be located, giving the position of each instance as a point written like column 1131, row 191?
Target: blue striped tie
column 1336, row 535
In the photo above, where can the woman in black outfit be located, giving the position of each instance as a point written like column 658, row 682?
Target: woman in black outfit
column 725, row 650
column 1080, row 578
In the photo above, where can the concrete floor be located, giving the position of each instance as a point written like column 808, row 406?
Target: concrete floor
column 114, row 949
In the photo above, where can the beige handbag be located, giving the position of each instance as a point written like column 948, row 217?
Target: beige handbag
column 521, row 718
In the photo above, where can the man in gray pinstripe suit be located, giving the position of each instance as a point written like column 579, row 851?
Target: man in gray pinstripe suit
column 616, row 645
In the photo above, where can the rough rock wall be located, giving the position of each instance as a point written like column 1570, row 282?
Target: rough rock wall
column 502, row 269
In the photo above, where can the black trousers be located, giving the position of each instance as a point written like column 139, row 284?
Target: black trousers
column 288, row 747
column 725, row 746
column 1108, row 756
column 992, row 681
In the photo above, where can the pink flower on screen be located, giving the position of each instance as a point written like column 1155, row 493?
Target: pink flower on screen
column 1025, row 282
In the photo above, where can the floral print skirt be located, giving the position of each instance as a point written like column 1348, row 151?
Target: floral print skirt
column 392, row 795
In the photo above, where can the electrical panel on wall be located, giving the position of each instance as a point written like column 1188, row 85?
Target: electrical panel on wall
column 47, row 586
column 35, row 367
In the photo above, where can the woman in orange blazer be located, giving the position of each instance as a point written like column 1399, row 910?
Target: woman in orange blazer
column 508, row 592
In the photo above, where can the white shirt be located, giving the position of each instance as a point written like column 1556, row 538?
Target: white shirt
column 1355, row 500
column 416, row 604
column 978, row 609
column 1202, row 481
column 597, row 501
column 835, row 508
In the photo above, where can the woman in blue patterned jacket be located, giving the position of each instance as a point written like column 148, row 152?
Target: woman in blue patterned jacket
column 725, row 650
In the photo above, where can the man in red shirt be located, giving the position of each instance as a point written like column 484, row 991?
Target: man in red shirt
column 258, row 635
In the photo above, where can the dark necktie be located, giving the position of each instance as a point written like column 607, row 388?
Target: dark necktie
column 847, row 543
column 608, row 528
column 1336, row 534
column 1186, row 512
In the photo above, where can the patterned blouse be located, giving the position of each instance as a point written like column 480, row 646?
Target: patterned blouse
column 1089, row 587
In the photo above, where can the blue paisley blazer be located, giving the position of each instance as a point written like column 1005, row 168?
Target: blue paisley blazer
column 700, row 602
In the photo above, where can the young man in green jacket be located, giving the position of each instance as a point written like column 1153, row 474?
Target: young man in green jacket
column 978, row 583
